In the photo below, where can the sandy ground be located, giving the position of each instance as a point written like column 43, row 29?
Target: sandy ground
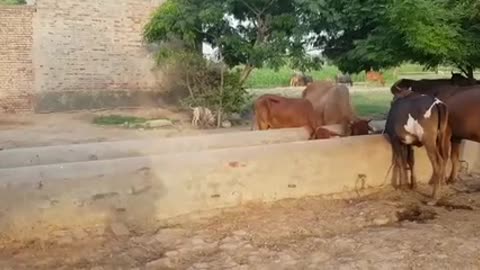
column 386, row 230
column 77, row 127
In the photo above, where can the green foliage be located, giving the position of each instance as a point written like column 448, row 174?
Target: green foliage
column 203, row 80
column 206, row 89
column 13, row 2
column 269, row 32
column 116, row 120
column 362, row 34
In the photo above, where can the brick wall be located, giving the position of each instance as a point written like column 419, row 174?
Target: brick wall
column 92, row 45
column 16, row 70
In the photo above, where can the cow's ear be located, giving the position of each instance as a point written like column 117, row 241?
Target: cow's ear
column 369, row 120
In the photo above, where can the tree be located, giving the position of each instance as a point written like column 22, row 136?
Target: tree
column 252, row 33
column 363, row 34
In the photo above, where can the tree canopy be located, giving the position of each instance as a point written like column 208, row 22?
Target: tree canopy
column 383, row 33
column 252, row 33
column 356, row 35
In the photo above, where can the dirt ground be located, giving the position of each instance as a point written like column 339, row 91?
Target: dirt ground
column 67, row 128
column 386, row 230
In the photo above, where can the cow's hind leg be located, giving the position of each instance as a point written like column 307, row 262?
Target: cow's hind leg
column 411, row 164
column 455, row 157
column 403, row 166
column 438, row 168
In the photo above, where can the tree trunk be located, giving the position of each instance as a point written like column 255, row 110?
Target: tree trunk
column 469, row 74
column 246, row 73
column 222, row 84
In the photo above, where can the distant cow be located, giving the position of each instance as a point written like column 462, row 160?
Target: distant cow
column 418, row 120
column 272, row 112
column 464, row 112
column 344, row 78
column 300, row 79
column 333, row 105
column 374, row 76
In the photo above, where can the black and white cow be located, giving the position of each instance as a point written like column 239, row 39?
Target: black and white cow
column 418, row 120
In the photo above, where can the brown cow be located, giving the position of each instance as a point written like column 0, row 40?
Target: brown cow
column 324, row 133
column 332, row 105
column 273, row 111
column 464, row 110
column 420, row 120
column 361, row 127
column 374, row 76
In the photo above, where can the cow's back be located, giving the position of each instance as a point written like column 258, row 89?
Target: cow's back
column 464, row 110
column 337, row 106
column 317, row 89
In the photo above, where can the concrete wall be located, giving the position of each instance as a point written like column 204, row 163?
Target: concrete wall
column 139, row 191
column 23, row 157
column 16, row 69
column 89, row 54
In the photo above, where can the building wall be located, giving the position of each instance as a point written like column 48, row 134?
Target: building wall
column 16, row 70
column 91, row 49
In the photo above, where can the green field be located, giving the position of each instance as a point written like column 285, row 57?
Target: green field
column 265, row 78
column 374, row 104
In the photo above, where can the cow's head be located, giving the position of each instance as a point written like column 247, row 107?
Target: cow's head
column 361, row 127
column 401, row 93
column 459, row 79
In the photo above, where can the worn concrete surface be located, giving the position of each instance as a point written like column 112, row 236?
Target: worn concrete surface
column 143, row 190
column 20, row 157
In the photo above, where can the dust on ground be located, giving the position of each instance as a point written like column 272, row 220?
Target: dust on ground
column 385, row 230
column 31, row 130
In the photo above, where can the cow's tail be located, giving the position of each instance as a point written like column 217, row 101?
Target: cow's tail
column 443, row 139
column 394, row 157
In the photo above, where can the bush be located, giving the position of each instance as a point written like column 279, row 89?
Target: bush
column 204, row 81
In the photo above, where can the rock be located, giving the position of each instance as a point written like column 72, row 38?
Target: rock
column 201, row 266
column 239, row 233
column 171, row 253
column 119, row 229
column 80, row 234
column 319, row 257
column 383, row 220
column 158, row 123
column 159, row 264
column 226, row 124
column 65, row 240
column 170, row 235
column 228, row 246
column 197, row 241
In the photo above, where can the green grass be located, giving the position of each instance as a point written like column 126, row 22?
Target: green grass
column 269, row 78
column 372, row 104
column 118, row 120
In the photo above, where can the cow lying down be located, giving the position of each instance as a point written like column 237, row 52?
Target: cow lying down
column 273, row 112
